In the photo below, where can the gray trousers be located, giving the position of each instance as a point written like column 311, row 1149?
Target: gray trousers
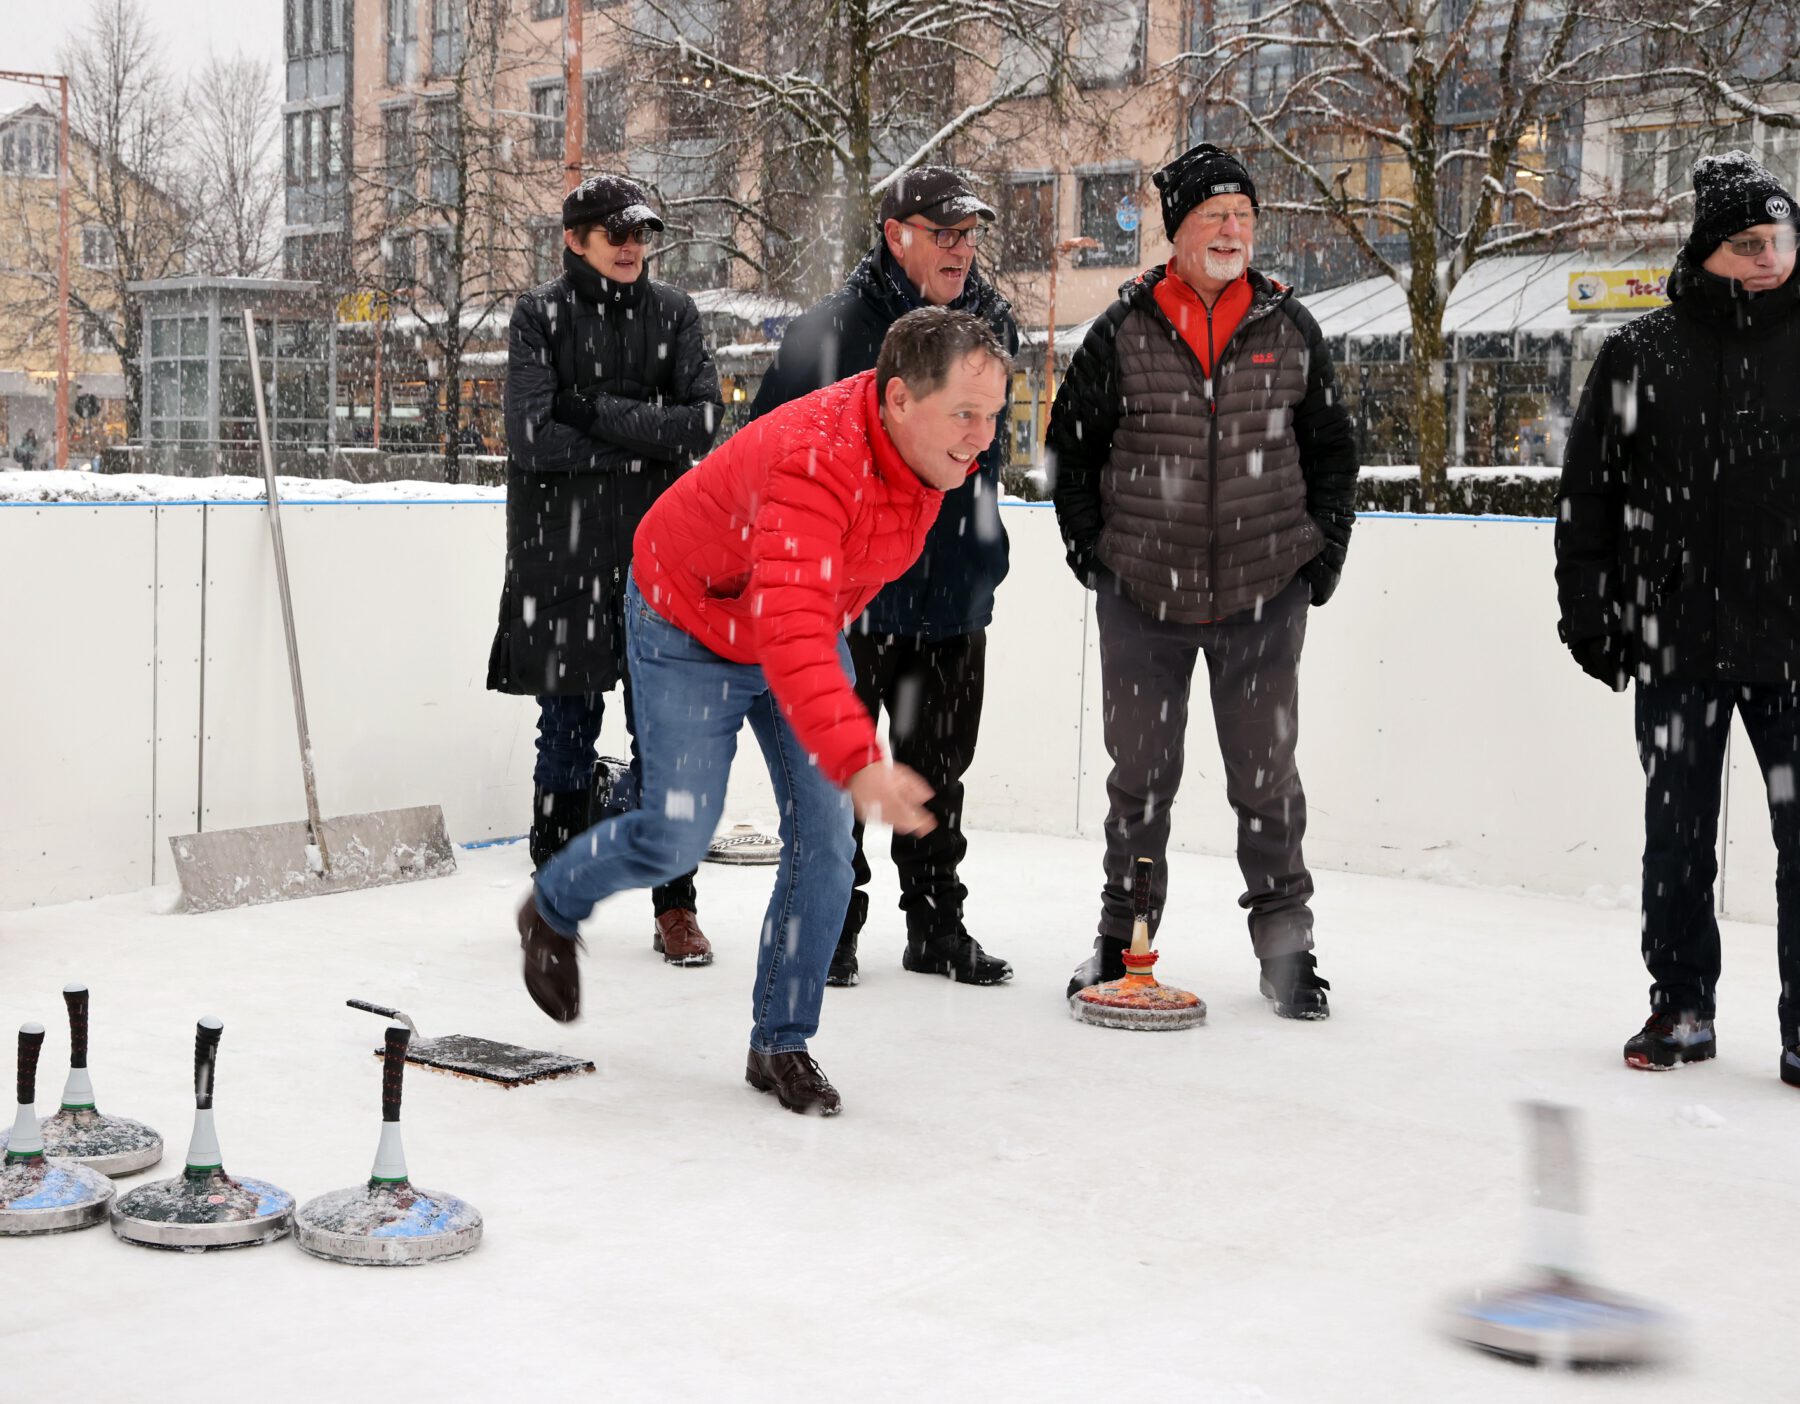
column 1146, row 673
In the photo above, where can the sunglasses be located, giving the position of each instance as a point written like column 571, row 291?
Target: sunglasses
column 1785, row 241
column 637, row 234
column 949, row 238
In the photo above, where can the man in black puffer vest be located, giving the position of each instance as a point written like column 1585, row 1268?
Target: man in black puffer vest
column 920, row 648
column 610, row 396
column 1205, row 481
column 1678, row 569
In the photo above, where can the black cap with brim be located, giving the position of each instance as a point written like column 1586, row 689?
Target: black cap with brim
column 615, row 202
column 936, row 193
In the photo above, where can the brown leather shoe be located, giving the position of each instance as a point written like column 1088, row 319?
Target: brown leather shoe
column 796, row 1079
column 680, row 940
column 552, row 978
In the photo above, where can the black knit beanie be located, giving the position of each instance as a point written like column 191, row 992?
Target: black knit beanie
column 1196, row 176
column 1731, row 194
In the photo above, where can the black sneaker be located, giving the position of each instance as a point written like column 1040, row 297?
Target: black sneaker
column 843, row 963
column 1790, row 1065
column 1669, row 1038
column 1293, row 982
column 552, row 977
column 959, row 956
column 1106, row 963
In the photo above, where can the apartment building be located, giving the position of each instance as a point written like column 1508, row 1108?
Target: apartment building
column 98, row 396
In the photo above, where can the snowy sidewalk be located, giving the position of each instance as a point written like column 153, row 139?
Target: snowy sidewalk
column 1012, row 1206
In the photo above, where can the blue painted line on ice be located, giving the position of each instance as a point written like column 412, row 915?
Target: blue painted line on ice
column 493, row 843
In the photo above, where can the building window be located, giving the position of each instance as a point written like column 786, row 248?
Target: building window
column 399, row 158
column 445, row 140
column 547, row 129
column 689, row 112
column 98, row 250
column 402, row 41
column 1109, row 203
column 441, row 273
column 546, row 250
column 400, row 270
column 1027, row 222
column 546, row 9
column 1109, row 44
column 96, row 337
column 446, row 36
column 604, row 95
column 29, row 148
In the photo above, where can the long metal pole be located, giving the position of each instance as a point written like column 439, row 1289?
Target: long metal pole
column 287, row 601
column 62, row 278
column 574, row 96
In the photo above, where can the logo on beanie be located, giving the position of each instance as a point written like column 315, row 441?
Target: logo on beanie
column 1225, row 187
column 1778, row 207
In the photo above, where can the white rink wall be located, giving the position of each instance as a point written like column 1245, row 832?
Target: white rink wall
column 1444, row 731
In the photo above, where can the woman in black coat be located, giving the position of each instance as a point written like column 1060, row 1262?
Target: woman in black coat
column 610, row 396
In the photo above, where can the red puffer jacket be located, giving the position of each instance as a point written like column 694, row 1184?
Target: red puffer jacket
column 780, row 537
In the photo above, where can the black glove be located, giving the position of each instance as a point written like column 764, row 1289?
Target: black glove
column 1320, row 578
column 1084, row 560
column 574, row 409
column 1603, row 659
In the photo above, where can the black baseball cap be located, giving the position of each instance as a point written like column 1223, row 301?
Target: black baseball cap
column 936, row 192
column 615, row 202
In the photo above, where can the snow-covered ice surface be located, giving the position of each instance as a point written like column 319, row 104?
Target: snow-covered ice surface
column 1013, row 1206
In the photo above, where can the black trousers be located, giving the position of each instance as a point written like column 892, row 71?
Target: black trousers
column 932, row 692
column 568, row 727
column 1681, row 732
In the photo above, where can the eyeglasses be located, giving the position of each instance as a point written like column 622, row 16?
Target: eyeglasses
column 1212, row 219
column 949, row 238
column 637, row 234
column 1785, row 241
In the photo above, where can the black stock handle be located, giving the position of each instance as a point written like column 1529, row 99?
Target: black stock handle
column 393, row 1069
column 206, row 1058
column 1141, row 873
column 368, row 1008
column 76, row 997
column 31, row 1041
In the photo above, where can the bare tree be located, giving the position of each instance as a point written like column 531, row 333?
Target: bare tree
column 446, row 215
column 1428, row 134
column 815, row 108
column 233, row 132
column 126, row 162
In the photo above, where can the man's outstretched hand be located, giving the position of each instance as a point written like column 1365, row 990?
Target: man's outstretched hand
column 884, row 793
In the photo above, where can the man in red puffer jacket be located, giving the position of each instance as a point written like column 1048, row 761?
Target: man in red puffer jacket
column 744, row 576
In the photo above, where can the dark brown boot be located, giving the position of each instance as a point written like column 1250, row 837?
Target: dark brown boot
column 679, row 938
column 796, row 1079
column 552, row 978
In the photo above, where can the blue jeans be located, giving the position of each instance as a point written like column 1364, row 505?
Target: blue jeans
column 689, row 705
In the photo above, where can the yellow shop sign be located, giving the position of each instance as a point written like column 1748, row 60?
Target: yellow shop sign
column 1618, row 289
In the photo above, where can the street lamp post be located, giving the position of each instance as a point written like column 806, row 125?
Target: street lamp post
column 60, row 82
column 1062, row 250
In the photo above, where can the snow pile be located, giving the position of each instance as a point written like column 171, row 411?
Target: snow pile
column 79, row 486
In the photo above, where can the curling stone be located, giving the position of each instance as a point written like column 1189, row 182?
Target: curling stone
column 1138, row 1001
column 42, row 1193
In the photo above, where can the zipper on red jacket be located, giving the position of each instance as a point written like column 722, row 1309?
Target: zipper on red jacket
column 1212, row 461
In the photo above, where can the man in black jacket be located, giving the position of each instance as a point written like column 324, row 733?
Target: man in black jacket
column 1678, row 568
column 610, row 396
column 920, row 648
column 1205, row 482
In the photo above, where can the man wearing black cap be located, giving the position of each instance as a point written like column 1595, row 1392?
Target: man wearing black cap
column 920, row 648
column 610, row 396
column 1205, row 481
column 1678, row 569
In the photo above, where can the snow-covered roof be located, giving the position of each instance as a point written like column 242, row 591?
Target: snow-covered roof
column 1506, row 293
column 751, row 306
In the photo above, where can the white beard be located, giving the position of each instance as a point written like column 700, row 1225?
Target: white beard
column 1225, row 267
